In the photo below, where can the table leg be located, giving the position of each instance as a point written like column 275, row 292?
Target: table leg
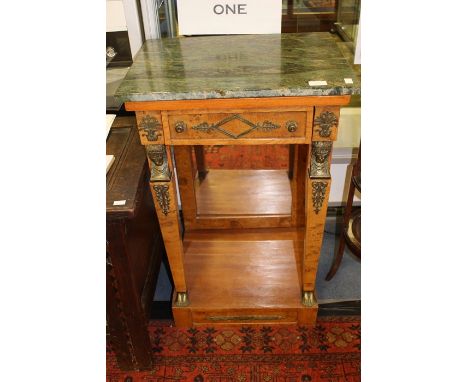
column 292, row 154
column 185, row 177
column 163, row 189
column 298, row 184
column 317, row 191
column 200, row 159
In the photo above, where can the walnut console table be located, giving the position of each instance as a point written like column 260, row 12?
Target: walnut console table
column 248, row 247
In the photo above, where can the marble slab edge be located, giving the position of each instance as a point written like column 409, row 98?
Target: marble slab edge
column 338, row 91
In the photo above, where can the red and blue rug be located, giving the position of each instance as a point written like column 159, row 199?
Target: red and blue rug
column 329, row 351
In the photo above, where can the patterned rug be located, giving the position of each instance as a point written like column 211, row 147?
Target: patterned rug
column 330, row 351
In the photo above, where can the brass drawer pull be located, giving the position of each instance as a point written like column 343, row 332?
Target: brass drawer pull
column 244, row 318
column 291, row 126
column 180, row 127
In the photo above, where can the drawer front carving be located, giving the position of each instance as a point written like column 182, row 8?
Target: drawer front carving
column 235, row 126
column 238, row 316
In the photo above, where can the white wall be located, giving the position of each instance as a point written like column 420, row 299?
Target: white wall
column 349, row 135
column 122, row 15
column 115, row 16
column 341, row 176
column 133, row 25
column 349, row 130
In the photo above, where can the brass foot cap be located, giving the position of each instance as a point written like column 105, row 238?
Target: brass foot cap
column 181, row 299
column 308, row 298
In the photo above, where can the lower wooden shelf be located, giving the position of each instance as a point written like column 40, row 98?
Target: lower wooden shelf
column 244, row 276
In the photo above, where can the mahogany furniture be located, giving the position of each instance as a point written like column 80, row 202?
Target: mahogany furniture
column 351, row 232
column 248, row 246
column 134, row 247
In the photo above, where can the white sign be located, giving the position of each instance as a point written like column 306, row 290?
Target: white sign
column 198, row 17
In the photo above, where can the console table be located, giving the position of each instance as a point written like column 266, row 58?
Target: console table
column 248, row 246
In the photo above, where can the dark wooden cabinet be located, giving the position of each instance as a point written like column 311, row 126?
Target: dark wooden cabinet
column 134, row 248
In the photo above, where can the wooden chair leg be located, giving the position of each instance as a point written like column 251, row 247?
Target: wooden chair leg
column 339, row 253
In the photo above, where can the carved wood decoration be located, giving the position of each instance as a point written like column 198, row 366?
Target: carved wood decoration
column 325, row 121
column 319, row 163
column 207, row 128
column 150, row 128
column 113, row 287
column 318, row 195
column 160, row 171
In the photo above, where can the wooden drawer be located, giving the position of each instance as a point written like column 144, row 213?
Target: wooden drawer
column 248, row 126
column 244, row 316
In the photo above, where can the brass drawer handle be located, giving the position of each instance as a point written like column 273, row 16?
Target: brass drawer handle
column 244, row 318
column 291, row 126
column 180, row 127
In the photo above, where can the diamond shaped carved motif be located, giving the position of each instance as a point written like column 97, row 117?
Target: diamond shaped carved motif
column 207, row 128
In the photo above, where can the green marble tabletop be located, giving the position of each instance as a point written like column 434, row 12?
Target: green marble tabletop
column 238, row 66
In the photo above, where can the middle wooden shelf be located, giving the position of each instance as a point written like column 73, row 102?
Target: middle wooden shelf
column 241, row 198
column 243, row 192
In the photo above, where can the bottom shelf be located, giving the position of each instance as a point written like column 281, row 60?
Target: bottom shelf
column 245, row 276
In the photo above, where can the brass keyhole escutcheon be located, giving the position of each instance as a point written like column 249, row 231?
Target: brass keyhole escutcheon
column 180, row 127
column 291, row 126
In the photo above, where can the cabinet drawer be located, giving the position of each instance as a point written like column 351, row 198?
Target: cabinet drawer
column 239, row 126
column 244, row 316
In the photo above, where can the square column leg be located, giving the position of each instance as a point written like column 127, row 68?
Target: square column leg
column 185, row 177
column 318, row 183
column 163, row 189
column 200, row 159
